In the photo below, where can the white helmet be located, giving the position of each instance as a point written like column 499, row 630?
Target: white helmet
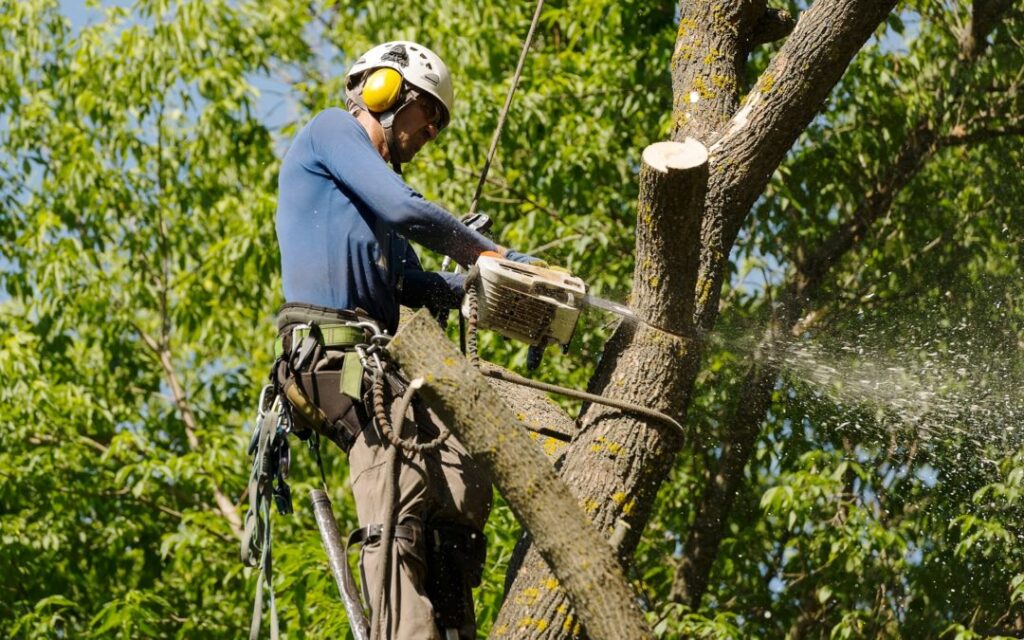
column 419, row 67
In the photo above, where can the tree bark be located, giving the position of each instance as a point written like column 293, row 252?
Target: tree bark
column 707, row 64
column 578, row 555
column 617, row 463
column 776, row 111
column 547, row 424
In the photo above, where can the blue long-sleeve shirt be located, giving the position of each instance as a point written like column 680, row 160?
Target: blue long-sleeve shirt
column 343, row 217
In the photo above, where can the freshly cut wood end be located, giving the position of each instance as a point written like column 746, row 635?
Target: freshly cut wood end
column 688, row 154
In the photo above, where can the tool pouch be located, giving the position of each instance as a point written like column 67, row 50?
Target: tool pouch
column 323, row 400
column 455, row 564
column 324, row 391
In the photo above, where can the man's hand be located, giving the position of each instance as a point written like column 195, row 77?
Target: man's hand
column 525, row 258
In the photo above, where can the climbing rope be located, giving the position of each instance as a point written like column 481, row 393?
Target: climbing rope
column 374, row 358
column 504, row 110
column 392, row 434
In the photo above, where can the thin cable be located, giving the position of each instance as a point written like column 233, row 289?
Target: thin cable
column 504, row 109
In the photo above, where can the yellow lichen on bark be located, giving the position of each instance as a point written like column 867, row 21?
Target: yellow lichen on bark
column 552, row 446
column 712, row 55
column 701, row 87
column 539, row 624
column 528, row 596
column 685, row 24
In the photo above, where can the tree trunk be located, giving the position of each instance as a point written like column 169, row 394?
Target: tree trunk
column 617, row 463
column 578, row 555
column 614, row 464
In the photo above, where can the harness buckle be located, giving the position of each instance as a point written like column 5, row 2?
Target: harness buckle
column 295, row 335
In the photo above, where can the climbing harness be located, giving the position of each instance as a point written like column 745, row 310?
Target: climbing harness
column 323, row 364
column 293, row 403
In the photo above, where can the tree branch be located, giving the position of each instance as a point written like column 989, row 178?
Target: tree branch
column 985, row 15
column 712, row 45
column 673, row 181
column 163, row 354
column 784, row 100
column 576, row 553
column 960, row 137
column 539, row 414
column 812, row 268
column 774, row 24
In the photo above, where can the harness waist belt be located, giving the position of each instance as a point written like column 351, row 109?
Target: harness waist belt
column 335, row 335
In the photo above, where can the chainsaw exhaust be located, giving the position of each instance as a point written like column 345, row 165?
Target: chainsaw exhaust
column 338, row 560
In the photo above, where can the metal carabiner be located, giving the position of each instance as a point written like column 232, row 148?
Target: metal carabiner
column 261, row 412
column 263, row 405
column 284, row 421
column 366, row 325
column 295, row 330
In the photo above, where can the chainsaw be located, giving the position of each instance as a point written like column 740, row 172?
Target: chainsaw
column 536, row 305
column 539, row 306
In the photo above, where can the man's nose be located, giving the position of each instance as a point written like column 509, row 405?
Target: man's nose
column 431, row 132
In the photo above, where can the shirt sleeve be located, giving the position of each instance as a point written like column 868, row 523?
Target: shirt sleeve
column 430, row 289
column 343, row 147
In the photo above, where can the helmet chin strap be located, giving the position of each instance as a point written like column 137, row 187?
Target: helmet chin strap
column 386, row 121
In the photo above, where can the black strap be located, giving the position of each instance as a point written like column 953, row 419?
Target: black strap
column 371, row 534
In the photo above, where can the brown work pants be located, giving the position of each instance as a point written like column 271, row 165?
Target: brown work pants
column 443, row 487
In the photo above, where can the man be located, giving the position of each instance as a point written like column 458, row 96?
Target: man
column 344, row 219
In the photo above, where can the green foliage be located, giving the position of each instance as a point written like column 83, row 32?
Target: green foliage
column 140, row 275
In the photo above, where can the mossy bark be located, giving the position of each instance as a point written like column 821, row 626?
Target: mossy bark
column 579, row 556
column 616, row 464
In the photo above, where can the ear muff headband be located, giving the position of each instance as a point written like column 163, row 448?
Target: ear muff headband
column 382, row 89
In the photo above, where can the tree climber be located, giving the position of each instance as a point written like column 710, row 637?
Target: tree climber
column 343, row 223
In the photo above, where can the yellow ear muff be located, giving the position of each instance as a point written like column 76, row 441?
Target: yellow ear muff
column 380, row 92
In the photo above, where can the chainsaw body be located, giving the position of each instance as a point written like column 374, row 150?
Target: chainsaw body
column 536, row 305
